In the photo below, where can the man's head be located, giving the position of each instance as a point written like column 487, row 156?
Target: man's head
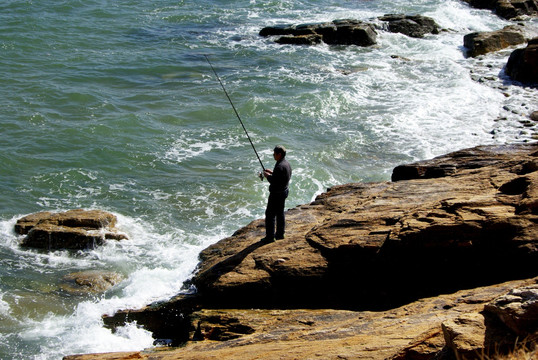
column 279, row 152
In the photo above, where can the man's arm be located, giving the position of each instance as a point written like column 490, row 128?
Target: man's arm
column 268, row 173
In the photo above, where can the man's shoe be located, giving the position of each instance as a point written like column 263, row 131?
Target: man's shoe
column 280, row 237
column 267, row 240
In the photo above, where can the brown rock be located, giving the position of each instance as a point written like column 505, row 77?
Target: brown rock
column 466, row 160
column 507, row 9
column 484, row 212
column 518, row 310
column 429, row 345
column 337, row 32
column 311, row 39
column 465, row 334
column 474, row 335
column 412, row 331
column 505, row 321
column 73, row 229
column 522, row 64
column 25, row 224
column 166, row 320
column 220, row 325
column 411, row 25
column 480, row 43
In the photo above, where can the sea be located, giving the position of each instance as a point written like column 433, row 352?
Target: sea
column 111, row 105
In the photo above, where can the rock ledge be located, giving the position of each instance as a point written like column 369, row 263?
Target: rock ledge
column 429, row 265
column 72, row 230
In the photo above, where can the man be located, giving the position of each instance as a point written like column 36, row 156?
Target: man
column 279, row 179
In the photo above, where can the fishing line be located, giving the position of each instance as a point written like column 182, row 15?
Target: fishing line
column 236, row 114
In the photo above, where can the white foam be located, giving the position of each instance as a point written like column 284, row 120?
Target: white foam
column 195, row 143
column 156, row 266
column 4, row 307
column 80, row 332
column 457, row 16
column 8, row 237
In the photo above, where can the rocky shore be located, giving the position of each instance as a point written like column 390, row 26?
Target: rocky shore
column 439, row 261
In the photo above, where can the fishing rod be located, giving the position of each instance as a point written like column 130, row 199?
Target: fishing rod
column 236, row 114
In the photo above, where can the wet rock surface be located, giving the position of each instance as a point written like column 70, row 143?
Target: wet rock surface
column 522, row 64
column 90, row 282
column 480, row 43
column 416, row 26
column 337, row 32
column 71, row 230
column 507, row 9
column 351, row 31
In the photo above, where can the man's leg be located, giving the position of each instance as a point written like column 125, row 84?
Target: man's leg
column 280, row 217
column 270, row 213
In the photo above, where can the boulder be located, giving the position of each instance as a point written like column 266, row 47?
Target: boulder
column 167, row 320
column 522, row 64
column 90, row 282
column 477, row 336
column 72, row 230
column 507, row 9
column 465, row 334
column 505, row 322
column 411, row 25
column 480, row 43
column 311, row 39
column 518, row 310
column 337, row 32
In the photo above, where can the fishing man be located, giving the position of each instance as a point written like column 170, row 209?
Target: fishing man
column 279, row 179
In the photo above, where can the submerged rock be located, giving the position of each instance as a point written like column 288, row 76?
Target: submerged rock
column 72, row 230
column 93, row 281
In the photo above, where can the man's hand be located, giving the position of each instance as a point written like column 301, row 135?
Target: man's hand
column 267, row 172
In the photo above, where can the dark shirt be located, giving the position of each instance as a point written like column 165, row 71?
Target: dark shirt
column 280, row 178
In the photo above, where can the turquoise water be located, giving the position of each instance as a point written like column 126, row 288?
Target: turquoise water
column 111, row 105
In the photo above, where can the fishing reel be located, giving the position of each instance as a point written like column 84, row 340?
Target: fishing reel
column 260, row 175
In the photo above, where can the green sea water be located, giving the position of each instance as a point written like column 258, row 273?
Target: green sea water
column 111, row 105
